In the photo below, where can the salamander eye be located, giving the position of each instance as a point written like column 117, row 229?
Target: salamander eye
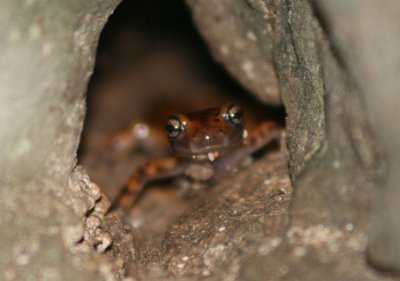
column 234, row 114
column 175, row 127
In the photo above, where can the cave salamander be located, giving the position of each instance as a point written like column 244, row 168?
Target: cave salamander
column 207, row 146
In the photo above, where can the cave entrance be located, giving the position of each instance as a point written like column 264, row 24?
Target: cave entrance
column 151, row 62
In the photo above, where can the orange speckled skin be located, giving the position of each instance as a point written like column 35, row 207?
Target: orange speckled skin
column 207, row 132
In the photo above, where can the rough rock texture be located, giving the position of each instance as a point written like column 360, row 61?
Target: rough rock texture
column 337, row 75
column 47, row 54
column 298, row 66
column 329, row 187
column 367, row 39
column 247, row 214
column 331, row 59
column 240, row 34
column 249, row 37
column 314, row 253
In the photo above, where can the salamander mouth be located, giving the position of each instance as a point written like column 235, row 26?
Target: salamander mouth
column 208, row 155
column 211, row 156
column 209, row 152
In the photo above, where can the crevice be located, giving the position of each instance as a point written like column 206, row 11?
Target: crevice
column 151, row 62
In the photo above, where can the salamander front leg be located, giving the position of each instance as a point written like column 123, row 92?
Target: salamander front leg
column 151, row 171
column 137, row 135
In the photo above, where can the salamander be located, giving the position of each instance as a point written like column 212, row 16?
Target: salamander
column 207, row 146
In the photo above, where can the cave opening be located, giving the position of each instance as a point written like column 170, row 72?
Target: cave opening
column 152, row 62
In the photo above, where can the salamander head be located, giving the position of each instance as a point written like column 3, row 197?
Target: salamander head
column 206, row 134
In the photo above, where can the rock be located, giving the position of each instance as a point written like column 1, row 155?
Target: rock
column 330, row 67
column 240, row 35
column 325, row 60
column 245, row 214
column 366, row 39
column 47, row 58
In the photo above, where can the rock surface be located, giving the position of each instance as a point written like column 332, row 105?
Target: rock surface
column 366, row 38
column 247, row 214
column 325, row 60
column 240, row 35
column 47, row 55
column 331, row 67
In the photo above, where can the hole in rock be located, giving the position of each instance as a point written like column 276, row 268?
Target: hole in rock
column 152, row 62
